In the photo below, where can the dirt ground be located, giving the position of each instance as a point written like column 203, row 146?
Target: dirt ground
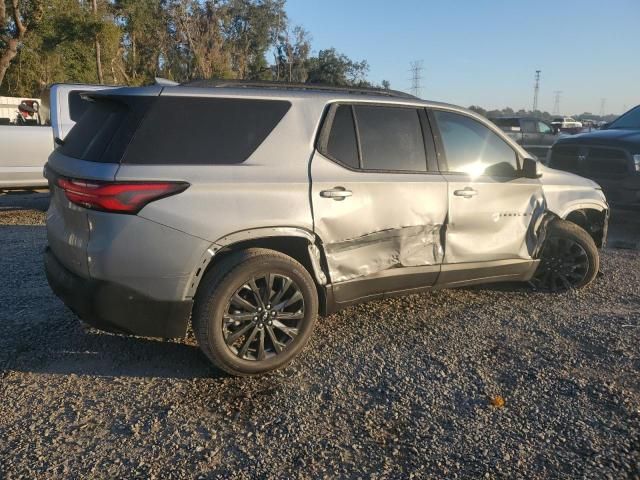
column 399, row 388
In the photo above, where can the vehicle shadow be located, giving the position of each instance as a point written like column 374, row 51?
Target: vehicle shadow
column 15, row 200
column 97, row 354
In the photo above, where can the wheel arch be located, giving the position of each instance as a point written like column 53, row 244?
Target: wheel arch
column 298, row 243
column 593, row 218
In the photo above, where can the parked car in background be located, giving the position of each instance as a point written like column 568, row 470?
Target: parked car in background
column 534, row 135
column 27, row 137
column 566, row 123
column 609, row 156
column 247, row 209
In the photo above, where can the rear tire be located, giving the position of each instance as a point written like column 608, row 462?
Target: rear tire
column 232, row 323
column 569, row 258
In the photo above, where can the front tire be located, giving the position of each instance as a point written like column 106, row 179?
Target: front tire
column 569, row 258
column 255, row 311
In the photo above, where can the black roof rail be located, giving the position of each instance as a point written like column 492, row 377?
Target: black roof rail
column 295, row 86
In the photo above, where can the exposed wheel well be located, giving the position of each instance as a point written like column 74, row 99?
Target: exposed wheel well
column 591, row 220
column 295, row 247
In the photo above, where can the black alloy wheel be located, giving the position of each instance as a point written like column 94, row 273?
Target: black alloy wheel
column 569, row 259
column 262, row 317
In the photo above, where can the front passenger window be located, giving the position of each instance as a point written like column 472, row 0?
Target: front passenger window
column 474, row 149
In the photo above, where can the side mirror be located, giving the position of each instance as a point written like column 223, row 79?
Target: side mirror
column 530, row 168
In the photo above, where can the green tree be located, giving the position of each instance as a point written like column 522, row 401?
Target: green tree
column 16, row 18
column 333, row 68
column 292, row 55
column 251, row 29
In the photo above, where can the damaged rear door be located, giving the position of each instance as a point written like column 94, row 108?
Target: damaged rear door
column 378, row 208
column 493, row 209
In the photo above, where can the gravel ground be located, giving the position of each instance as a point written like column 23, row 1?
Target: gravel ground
column 399, row 388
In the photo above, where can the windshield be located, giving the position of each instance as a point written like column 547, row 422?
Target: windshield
column 630, row 120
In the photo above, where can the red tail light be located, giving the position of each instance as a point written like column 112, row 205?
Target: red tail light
column 122, row 197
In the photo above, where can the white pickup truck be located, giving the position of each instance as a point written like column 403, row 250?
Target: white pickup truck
column 24, row 149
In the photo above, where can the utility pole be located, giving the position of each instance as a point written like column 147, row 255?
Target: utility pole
column 416, row 77
column 94, row 8
column 556, row 102
column 603, row 103
column 536, row 91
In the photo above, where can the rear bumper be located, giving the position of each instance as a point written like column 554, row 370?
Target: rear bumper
column 115, row 308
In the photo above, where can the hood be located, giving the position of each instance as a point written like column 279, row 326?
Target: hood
column 614, row 137
column 551, row 176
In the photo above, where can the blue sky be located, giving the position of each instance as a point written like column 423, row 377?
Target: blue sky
column 485, row 52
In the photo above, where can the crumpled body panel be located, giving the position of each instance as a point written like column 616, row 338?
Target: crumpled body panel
column 417, row 245
column 391, row 220
column 499, row 223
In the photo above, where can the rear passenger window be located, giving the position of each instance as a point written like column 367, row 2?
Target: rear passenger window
column 77, row 106
column 105, row 128
column 342, row 145
column 204, row 131
column 391, row 138
column 474, row 149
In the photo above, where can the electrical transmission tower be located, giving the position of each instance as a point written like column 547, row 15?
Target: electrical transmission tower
column 536, row 90
column 556, row 102
column 416, row 77
column 603, row 102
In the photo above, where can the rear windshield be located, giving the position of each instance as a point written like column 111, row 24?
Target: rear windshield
column 172, row 130
column 105, row 128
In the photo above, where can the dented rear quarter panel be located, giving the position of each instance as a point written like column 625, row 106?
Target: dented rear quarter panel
column 270, row 189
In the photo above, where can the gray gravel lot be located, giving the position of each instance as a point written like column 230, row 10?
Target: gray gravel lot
column 392, row 389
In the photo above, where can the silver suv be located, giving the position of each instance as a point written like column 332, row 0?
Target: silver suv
column 249, row 209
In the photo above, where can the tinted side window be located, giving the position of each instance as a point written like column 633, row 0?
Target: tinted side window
column 528, row 126
column 391, row 138
column 204, row 131
column 104, row 130
column 342, row 144
column 472, row 148
column 77, row 106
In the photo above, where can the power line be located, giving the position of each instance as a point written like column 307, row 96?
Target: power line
column 536, row 90
column 416, row 77
column 556, row 102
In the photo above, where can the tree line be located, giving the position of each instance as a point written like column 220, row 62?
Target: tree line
column 510, row 112
column 130, row 42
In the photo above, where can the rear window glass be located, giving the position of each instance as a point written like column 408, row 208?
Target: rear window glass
column 77, row 106
column 203, row 131
column 391, row 138
column 342, row 144
column 104, row 130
